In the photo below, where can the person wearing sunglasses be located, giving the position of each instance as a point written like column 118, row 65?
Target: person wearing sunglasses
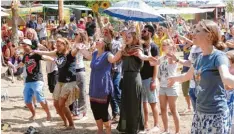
column 210, row 72
column 79, row 106
column 149, row 78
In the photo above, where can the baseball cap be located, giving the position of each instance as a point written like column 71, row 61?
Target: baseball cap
column 26, row 41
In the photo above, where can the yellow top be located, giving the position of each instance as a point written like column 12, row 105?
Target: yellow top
column 159, row 41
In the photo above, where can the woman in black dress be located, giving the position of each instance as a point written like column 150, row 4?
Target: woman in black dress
column 131, row 111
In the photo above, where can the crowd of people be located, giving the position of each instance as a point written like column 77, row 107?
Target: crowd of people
column 131, row 69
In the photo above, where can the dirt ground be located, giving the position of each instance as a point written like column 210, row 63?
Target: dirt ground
column 14, row 113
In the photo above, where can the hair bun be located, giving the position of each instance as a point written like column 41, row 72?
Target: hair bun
column 221, row 46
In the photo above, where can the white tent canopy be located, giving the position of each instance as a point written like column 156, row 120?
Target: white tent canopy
column 188, row 10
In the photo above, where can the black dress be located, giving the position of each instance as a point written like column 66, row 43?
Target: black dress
column 131, row 111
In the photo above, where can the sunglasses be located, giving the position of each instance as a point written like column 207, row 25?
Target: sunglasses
column 203, row 25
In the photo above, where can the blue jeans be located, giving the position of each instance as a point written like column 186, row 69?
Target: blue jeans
column 116, row 98
column 193, row 97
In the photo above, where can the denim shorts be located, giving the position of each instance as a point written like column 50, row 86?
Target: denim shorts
column 148, row 95
column 34, row 88
column 168, row 91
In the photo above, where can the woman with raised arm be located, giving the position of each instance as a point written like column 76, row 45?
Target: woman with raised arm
column 79, row 107
column 210, row 72
column 66, row 90
column 101, row 86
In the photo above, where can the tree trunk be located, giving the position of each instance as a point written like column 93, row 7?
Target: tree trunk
column 60, row 9
column 98, row 20
column 14, row 9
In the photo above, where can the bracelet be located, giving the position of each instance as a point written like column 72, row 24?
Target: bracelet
column 177, row 60
column 152, row 81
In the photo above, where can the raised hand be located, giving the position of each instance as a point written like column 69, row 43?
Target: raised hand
column 172, row 56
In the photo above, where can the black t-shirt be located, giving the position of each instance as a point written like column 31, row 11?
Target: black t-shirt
column 90, row 26
column 147, row 70
column 66, row 68
column 33, row 67
column 34, row 44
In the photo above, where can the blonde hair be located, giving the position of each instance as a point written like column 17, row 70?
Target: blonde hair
column 66, row 43
column 30, row 30
column 170, row 43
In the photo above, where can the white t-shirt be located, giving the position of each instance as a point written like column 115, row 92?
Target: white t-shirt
column 43, row 32
column 166, row 70
column 79, row 61
column 194, row 53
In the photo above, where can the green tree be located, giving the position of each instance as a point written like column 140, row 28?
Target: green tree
column 230, row 6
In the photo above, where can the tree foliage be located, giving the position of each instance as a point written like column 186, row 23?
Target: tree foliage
column 230, row 6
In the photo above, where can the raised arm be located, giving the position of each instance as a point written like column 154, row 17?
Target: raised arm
column 47, row 58
column 41, row 47
column 114, row 58
column 48, row 53
column 186, row 40
column 186, row 63
column 226, row 76
column 181, row 78
column 75, row 50
column 86, row 54
column 140, row 55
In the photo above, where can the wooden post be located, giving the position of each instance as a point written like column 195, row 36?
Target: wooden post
column 60, row 9
column 15, row 16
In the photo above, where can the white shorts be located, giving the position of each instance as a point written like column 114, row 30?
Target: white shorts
column 168, row 91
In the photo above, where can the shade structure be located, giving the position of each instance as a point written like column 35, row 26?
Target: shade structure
column 135, row 10
column 4, row 14
column 187, row 10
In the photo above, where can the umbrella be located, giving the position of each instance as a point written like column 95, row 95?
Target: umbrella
column 134, row 10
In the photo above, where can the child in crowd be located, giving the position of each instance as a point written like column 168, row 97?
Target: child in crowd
column 168, row 68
